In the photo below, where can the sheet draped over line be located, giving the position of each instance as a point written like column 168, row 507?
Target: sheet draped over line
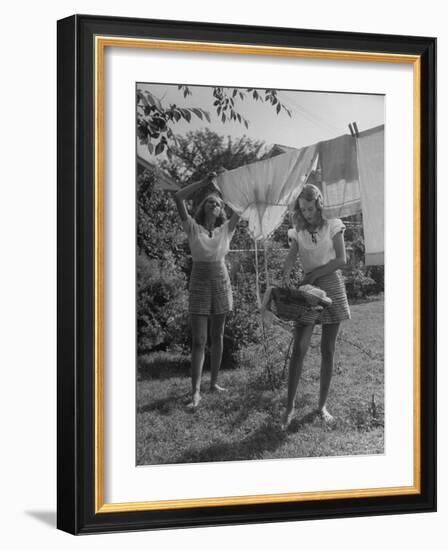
column 262, row 191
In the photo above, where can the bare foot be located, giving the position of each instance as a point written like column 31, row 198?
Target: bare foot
column 287, row 419
column 194, row 401
column 217, row 387
column 325, row 415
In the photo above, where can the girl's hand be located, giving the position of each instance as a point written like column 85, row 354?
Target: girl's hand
column 211, row 179
column 286, row 280
column 308, row 279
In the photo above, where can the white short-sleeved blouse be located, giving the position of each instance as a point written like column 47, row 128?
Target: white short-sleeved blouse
column 317, row 249
column 203, row 247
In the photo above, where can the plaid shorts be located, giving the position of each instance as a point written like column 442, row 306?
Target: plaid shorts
column 339, row 310
column 210, row 289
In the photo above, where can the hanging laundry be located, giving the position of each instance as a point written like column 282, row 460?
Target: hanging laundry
column 262, row 191
column 352, row 172
column 340, row 186
column 370, row 146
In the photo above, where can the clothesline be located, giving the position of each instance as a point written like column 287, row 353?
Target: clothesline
column 266, row 203
column 253, row 249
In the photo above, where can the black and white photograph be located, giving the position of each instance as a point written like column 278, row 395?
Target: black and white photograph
column 259, row 273
column 222, row 237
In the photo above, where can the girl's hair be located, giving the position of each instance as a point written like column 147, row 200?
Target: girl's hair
column 199, row 215
column 309, row 192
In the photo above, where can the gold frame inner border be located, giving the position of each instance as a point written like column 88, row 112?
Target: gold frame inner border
column 101, row 43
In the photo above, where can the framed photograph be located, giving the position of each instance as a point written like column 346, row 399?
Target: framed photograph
column 246, row 274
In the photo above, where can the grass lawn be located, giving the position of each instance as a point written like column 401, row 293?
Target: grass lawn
column 244, row 422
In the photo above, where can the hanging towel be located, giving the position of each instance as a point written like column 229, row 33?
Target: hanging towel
column 340, row 187
column 370, row 145
column 262, row 191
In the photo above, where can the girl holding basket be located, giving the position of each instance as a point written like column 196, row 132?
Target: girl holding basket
column 319, row 243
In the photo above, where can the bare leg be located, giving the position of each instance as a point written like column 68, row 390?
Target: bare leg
column 217, row 323
column 328, row 344
column 302, row 338
column 199, row 337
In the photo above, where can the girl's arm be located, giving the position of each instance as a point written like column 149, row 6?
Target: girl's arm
column 181, row 195
column 235, row 215
column 332, row 265
column 233, row 221
column 291, row 259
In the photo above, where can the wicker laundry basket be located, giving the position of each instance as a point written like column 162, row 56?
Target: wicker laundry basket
column 294, row 304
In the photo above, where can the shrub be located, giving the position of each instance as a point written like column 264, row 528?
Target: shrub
column 360, row 280
column 376, row 272
column 357, row 283
column 243, row 323
column 162, row 316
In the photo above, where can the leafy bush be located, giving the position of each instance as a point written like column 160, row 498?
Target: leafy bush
column 357, row 283
column 162, row 315
column 376, row 272
column 158, row 223
column 361, row 281
column 243, row 324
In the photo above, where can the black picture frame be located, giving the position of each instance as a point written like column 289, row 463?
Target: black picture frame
column 77, row 494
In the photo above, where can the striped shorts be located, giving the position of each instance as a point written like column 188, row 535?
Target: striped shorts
column 339, row 310
column 210, row 289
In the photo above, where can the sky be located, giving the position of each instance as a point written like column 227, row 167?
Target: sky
column 316, row 115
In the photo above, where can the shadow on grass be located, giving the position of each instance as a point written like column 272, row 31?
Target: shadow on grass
column 241, row 403
column 165, row 405
column 298, row 423
column 163, row 367
column 266, row 438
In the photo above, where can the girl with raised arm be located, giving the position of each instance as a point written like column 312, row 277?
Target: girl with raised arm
column 209, row 234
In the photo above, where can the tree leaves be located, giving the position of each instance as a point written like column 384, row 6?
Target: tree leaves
column 154, row 121
column 186, row 114
column 197, row 112
column 184, row 89
column 142, row 98
column 153, row 100
column 177, row 115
